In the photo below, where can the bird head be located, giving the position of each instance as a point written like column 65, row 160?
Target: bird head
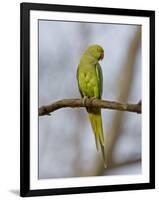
column 95, row 51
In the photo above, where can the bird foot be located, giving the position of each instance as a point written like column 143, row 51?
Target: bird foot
column 92, row 99
column 84, row 100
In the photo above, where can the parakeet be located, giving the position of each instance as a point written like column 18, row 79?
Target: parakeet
column 90, row 83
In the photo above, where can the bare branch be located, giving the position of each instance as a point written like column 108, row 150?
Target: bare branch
column 124, row 163
column 96, row 103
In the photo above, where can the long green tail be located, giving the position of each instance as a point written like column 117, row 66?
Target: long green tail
column 96, row 122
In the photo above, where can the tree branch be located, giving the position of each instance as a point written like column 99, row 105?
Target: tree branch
column 124, row 163
column 96, row 103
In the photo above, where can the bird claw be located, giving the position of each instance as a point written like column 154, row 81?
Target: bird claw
column 92, row 99
column 84, row 100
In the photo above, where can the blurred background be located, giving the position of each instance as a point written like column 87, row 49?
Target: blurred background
column 66, row 141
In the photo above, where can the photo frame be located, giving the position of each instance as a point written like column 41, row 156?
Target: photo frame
column 36, row 179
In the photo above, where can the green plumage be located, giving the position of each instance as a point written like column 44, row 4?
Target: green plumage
column 90, row 82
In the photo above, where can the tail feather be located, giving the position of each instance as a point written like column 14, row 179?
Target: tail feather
column 103, row 155
column 96, row 123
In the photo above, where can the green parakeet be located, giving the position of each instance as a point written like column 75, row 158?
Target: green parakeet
column 90, row 83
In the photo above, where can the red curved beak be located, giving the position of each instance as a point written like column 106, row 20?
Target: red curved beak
column 102, row 56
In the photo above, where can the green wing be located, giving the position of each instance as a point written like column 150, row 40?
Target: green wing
column 77, row 76
column 100, row 79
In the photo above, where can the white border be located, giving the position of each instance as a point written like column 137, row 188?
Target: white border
column 86, row 181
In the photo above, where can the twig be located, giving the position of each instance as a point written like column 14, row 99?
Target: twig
column 124, row 163
column 96, row 103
